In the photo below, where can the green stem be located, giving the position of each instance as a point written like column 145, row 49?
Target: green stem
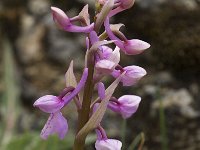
column 83, row 115
column 123, row 133
column 163, row 129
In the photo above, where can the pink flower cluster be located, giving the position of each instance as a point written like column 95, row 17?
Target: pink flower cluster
column 106, row 62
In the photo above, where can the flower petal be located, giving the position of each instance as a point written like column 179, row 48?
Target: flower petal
column 49, row 103
column 105, row 66
column 108, row 144
column 135, row 46
column 101, row 90
column 80, row 85
column 60, row 18
column 129, row 105
column 56, row 124
column 107, row 51
column 115, row 56
column 133, row 75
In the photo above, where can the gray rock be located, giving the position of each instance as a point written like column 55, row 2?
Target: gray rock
column 62, row 48
column 39, row 7
column 194, row 88
column 155, row 4
column 181, row 99
column 150, row 89
column 29, row 44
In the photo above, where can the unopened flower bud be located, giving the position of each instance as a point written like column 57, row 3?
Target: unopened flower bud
column 63, row 21
column 60, row 18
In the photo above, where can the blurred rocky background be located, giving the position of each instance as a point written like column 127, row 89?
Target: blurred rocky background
column 35, row 54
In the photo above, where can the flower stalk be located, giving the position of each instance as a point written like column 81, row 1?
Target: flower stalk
column 83, row 114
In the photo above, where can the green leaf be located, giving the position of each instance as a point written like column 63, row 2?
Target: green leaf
column 70, row 77
column 103, row 14
column 85, row 15
column 137, row 142
column 10, row 104
column 32, row 141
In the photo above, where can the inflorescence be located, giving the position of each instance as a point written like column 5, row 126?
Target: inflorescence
column 100, row 61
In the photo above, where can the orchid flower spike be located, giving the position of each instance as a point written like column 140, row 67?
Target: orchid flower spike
column 126, row 105
column 63, row 21
column 132, row 75
column 101, row 61
column 129, row 47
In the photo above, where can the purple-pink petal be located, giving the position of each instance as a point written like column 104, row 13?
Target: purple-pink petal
column 60, row 18
column 133, row 75
column 111, row 35
column 49, row 103
column 108, row 144
column 129, row 105
column 80, row 85
column 93, row 37
column 129, row 47
column 56, row 124
column 135, row 46
column 105, row 66
column 63, row 21
column 107, row 51
column 101, row 90
column 126, row 105
column 75, row 28
column 126, row 4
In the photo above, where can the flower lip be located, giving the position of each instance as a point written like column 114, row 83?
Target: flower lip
column 56, row 124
